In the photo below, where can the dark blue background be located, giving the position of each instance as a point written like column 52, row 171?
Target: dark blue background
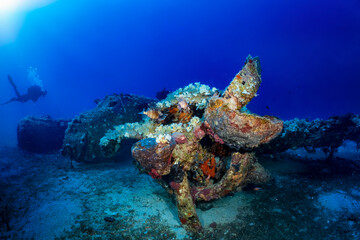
column 86, row 49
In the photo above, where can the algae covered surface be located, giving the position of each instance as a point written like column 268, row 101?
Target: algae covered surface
column 42, row 197
column 199, row 144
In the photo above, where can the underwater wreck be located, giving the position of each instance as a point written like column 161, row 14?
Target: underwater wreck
column 199, row 143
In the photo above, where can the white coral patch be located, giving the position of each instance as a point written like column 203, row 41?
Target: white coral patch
column 195, row 94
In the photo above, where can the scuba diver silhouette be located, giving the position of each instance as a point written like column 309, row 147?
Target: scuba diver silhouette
column 33, row 93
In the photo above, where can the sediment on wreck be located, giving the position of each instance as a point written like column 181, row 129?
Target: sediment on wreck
column 325, row 134
column 81, row 142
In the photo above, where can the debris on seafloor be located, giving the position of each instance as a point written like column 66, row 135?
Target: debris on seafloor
column 41, row 134
column 204, row 147
column 328, row 135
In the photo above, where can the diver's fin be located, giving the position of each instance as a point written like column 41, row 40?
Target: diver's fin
column 14, row 86
column 11, row 100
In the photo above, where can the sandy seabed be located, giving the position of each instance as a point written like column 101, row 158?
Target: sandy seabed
column 43, row 197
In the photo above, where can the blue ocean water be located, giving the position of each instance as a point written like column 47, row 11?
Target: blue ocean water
column 84, row 50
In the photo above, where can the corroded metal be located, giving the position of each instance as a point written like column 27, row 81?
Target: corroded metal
column 203, row 148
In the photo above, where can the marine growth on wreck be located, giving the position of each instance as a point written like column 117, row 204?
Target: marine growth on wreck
column 199, row 143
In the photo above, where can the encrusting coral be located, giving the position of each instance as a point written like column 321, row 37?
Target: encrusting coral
column 203, row 146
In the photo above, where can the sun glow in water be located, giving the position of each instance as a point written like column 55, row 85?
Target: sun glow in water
column 12, row 14
column 8, row 5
